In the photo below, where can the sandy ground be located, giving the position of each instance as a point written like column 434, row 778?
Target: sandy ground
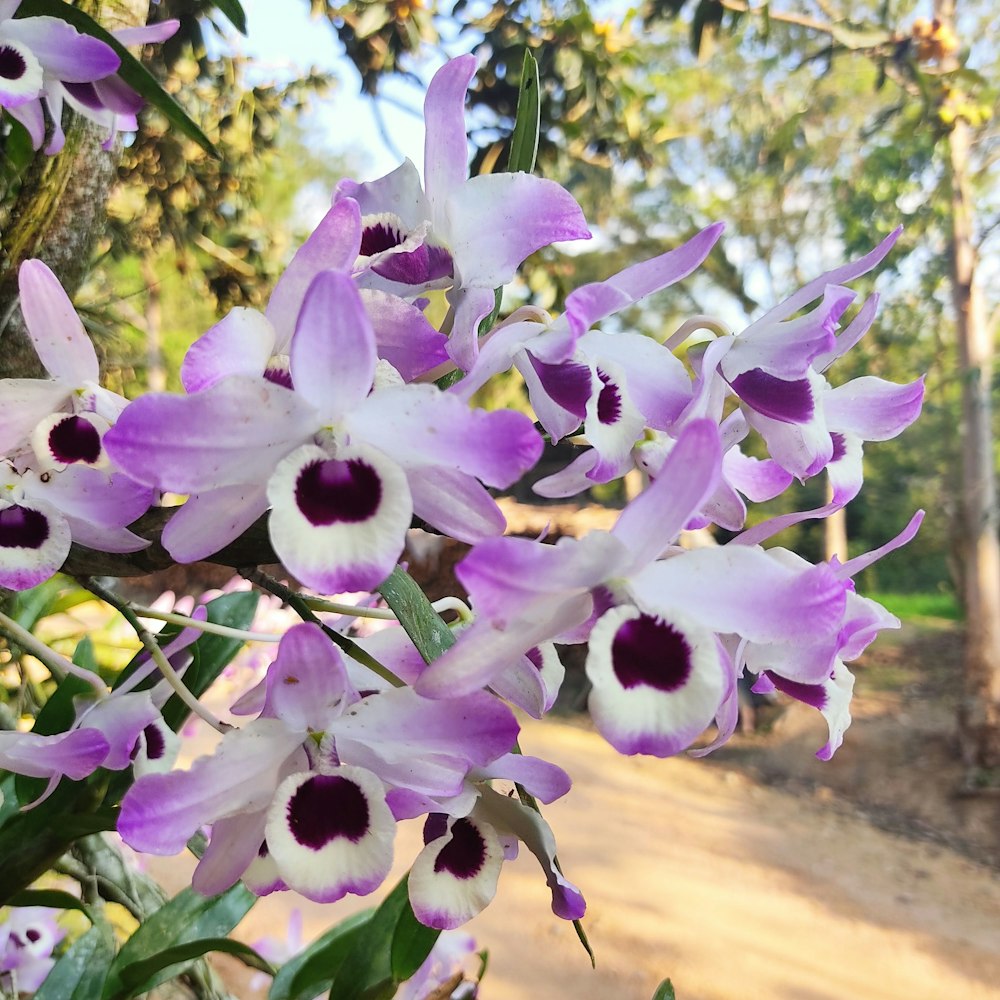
column 735, row 890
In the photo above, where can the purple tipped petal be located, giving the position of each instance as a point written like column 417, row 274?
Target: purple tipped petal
column 56, row 331
column 418, row 425
column 75, row 754
column 34, row 543
column 239, row 344
column 65, row 53
column 403, row 335
column 455, row 876
column 455, row 503
column 446, row 148
column 230, row 434
column 517, row 214
column 333, row 246
column 873, row 409
column 208, row 522
column 333, row 353
column 331, row 834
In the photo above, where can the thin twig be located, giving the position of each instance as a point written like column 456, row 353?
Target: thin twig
column 298, row 603
column 146, row 638
column 204, row 626
column 58, row 665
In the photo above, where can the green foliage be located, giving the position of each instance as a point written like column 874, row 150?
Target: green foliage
column 80, row 974
column 665, row 991
column 153, row 954
column 910, row 607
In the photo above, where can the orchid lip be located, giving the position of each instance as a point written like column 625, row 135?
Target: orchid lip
column 326, row 807
column 333, row 491
column 791, row 402
column 75, row 440
column 609, row 402
column 22, row 527
column 13, row 65
column 650, row 651
column 464, row 855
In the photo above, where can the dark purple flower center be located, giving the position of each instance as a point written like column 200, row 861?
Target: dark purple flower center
column 156, row 745
column 810, row 694
column 417, row 267
column 839, row 446
column 380, row 237
column 279, row 376
column 609, row 402
column 650, row 651
column 332, row 492
column 22, row 527
column 86, row 94
column 12, row 64
column 789, row 402
column 325, row 807
column 464, row 854
column 535, row 655
column 32, row 935
column 74, row 440
column 568, row 384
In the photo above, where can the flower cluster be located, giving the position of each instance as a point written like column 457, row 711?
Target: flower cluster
column 46, row 63
column 326, row 412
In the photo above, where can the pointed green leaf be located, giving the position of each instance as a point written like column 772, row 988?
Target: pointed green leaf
column 131, row 70
column 233, row 10
column 312, row 971
column 188, row 917
column 81, row 972
column 140, row 976
column 388, row 944
column 524, row 140
column 55, row 899
column 665, row 991
column 421, row 622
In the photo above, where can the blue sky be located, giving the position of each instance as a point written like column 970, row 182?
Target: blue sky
column 284, row 41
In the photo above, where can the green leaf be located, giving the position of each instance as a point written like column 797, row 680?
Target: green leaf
column 55, row 899
column 390, row 948
column 131, row 70
column 213, row 653
column 665, row 991
column 188, row 917
column 311, row 972
column 80, row 973
column 139, row 975
column 527, row 122
column 421, row 622
column 233, row 10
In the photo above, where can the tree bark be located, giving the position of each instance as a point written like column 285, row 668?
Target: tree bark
column 60, row 210
column 979, row 715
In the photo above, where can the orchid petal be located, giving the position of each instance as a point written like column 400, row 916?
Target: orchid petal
column 455, row 503
column 239, row 344
column 34, row 542
column 339, row 524
column 56, row 331
column 455, row 876
column 333, row 352
column 331, row 834
column 208, row 522
column 333, row 246
column 229, row 434
column 446, row 146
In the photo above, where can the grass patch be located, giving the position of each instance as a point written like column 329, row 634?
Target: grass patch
column 912, row 607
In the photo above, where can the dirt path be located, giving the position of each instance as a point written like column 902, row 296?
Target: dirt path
column 734, row 890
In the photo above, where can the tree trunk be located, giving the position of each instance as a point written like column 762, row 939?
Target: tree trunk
column 979, row 716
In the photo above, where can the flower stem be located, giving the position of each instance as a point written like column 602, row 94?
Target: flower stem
column 157, row 654
column 204, row 626
column 699, row 322
column 58, row 665
column 300, row 605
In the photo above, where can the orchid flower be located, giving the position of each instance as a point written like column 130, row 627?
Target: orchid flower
column 344, row 456
column 469, row 234
column 56, row 482
column 44, row 60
